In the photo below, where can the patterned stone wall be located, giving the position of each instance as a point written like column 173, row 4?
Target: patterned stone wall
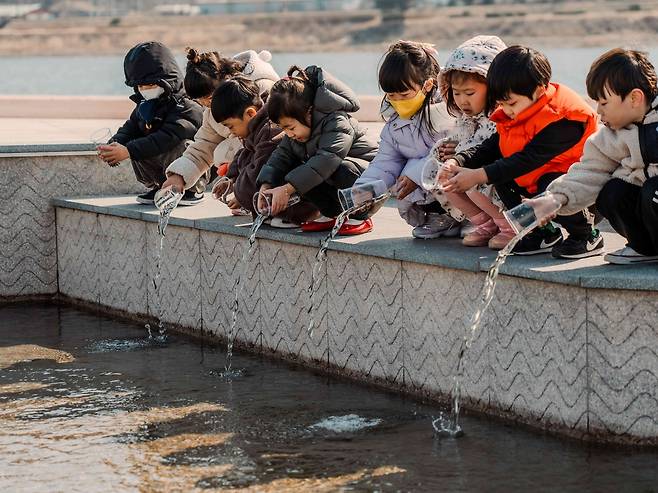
column 583, row 361
column 28, row 257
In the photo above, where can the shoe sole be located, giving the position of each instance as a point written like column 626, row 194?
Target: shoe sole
column 628, row 261
column 593, row 253
column 440, row 234
column 191, row 202
column 145, row 201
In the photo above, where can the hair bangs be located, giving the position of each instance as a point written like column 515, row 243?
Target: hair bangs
column 397, row 74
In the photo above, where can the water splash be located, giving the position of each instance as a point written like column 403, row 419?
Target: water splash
column 448, row 425
column 345, row 424
column 237, row 290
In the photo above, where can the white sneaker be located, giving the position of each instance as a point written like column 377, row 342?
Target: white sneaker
column 280, row 223
column 437, row 226
column 467, row 228
column 627, row 255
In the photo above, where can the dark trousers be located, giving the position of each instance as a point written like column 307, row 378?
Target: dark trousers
column 325, row 195
column 633, row 212
column 579, row 225
column 151, row 171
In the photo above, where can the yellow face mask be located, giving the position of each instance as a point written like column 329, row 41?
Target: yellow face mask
column 407, row 108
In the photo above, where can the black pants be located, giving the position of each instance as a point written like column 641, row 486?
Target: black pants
column 151, row 171
column 633, row 212
column 579, row 225
column 325, row 195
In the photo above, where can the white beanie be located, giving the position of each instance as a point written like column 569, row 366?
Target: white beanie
column 257, row 65
column 475, row 55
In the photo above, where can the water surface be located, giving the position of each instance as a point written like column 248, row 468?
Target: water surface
column 107, row 410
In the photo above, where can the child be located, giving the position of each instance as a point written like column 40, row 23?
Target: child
column 164, row 119
column 464, row 88
column 414, row 123
column 237, row 104
column 618, row 170
column 324, row 149
column 213, row 143
column 541, row 130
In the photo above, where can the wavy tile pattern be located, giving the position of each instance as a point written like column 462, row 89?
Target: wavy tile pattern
column 580, row 360
column 28, row 257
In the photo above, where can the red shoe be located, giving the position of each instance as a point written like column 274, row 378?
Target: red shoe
column 321, row 224
column 354, row 227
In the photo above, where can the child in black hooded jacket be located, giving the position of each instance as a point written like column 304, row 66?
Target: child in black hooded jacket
column 158, row 128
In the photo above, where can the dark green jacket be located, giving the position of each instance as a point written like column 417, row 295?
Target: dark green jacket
column 335, row 136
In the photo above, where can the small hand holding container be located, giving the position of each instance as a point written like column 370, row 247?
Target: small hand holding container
column 529, row 214
column 263, row 203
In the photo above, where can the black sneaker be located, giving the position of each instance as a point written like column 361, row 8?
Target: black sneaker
column 147, row 198
column 190, row 197
column 571, row 248
column 541, row 240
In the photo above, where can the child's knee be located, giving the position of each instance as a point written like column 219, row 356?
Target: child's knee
column 609, row 196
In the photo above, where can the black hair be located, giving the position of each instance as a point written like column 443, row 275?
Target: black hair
column 205, row 71
column 406, row 63
column 621, row 71
column 448, row 78
column 519, row 70
column 291, row 97
column 233, row 96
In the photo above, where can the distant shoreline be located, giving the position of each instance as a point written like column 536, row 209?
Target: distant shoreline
column 568, row 24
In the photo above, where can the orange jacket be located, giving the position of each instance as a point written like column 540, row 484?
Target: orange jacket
column 559, row 102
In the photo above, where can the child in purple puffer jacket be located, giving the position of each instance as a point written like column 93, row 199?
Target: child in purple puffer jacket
column 415, row 121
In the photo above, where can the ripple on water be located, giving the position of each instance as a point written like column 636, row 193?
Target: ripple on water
column 113, row 345
column 345, row 424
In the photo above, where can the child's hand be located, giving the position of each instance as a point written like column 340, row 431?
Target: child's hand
column 222, row 187
column 448, row 170
column 405, row 186
column 233, row 203
column 174, row 181
column 465, row 179
column 543, row 204
column 113, row 153
column 280, row 196
column 447, row 149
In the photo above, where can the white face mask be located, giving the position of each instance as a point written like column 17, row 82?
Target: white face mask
column 154, row 93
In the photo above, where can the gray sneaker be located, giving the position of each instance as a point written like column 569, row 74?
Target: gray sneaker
column 626, row 256
column 437, row 226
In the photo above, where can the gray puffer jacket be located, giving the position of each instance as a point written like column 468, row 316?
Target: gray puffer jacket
column 335, row 137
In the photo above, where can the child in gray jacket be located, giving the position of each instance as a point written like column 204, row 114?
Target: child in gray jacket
column 619, row 167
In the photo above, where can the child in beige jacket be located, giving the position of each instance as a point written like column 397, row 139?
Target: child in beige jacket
column 619, row 168
column 213, row 143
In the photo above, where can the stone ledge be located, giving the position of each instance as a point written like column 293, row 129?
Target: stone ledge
column 391, row 239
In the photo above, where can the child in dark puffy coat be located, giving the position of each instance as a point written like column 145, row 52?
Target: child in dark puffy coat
column 158, row 128
column 324, row 149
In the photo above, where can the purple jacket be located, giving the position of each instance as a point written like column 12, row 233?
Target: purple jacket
column 402, row 140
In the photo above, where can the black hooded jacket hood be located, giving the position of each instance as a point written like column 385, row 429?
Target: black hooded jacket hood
column 153, row 63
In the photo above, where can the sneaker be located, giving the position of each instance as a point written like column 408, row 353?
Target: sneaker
column 467, row 228
column 191, row 197
column 541, row 240
column 627, row 255
column 572, row 248
column 322, row 223
column 147, row 198
column 278, row 222
column 437, row 225
column 481, row 235
column 353, row 227
column 501, row 240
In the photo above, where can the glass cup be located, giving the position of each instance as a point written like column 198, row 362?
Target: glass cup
column 527, row 215
column 229, row 188
column 101, row 136
column 267, row 198
column 167, row 197
column 429, row 179
column 362, row 195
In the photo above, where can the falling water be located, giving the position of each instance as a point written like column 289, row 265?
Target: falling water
column 449, row 425
column 166, row 204
column 237, row 290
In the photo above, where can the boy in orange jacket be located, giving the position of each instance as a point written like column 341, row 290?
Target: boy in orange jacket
column 541, row 130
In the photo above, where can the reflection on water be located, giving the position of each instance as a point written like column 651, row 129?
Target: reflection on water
column 153, row 418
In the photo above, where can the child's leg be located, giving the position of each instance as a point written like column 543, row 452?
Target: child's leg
column 471, row 210
column 485, row 204
column 621, row 204
column 649, row 202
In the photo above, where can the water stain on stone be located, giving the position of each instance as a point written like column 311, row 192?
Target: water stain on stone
column 10, row 355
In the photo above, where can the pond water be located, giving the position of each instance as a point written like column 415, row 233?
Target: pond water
column 88, row 404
